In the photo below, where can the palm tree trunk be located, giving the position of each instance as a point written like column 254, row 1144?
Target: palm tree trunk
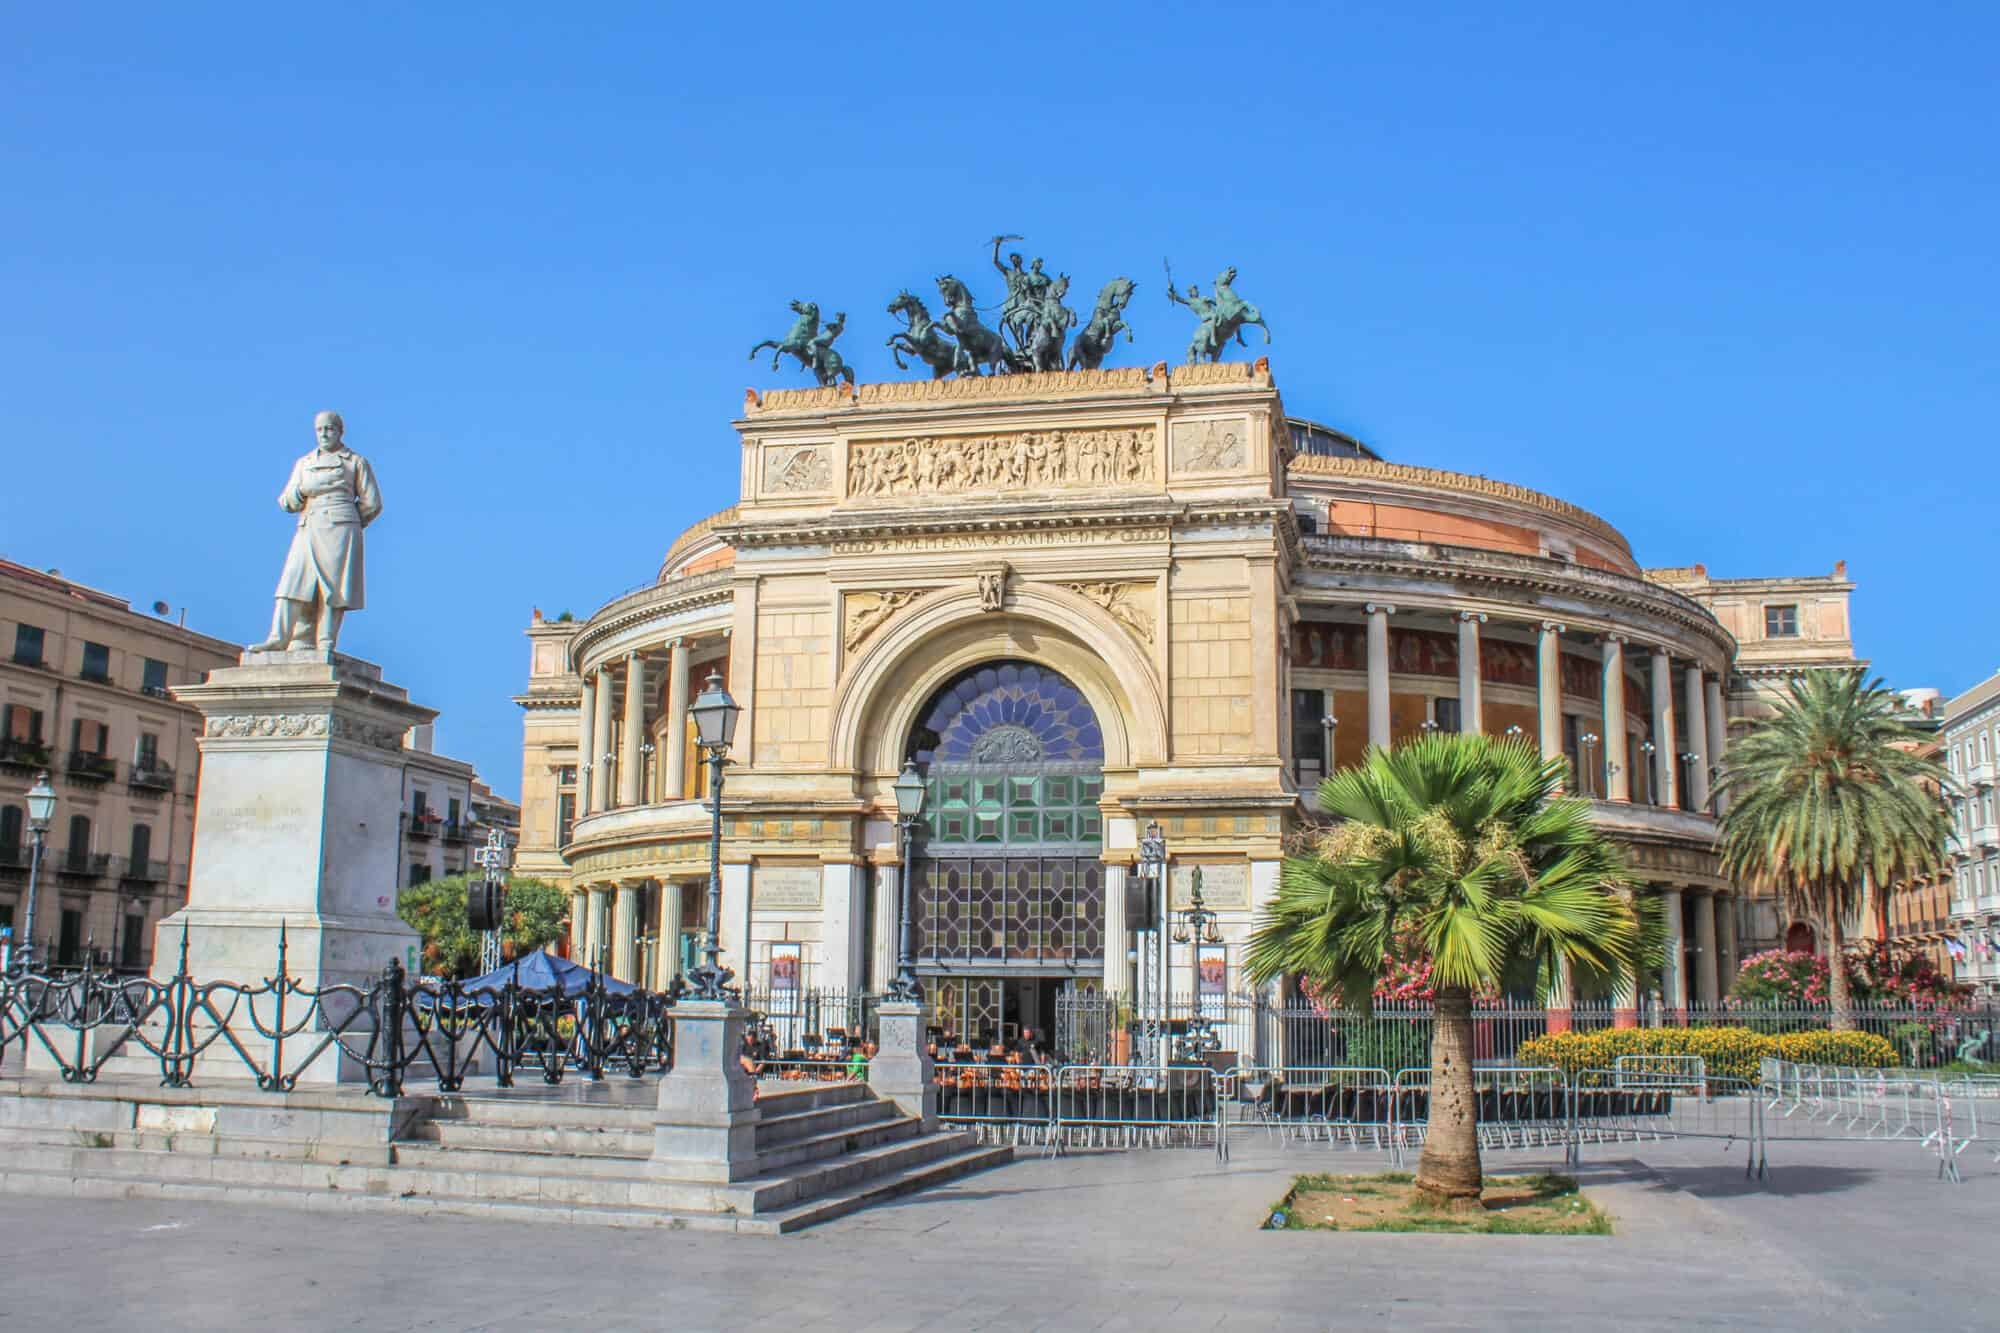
column 1448, row 1171
column 1836, row 971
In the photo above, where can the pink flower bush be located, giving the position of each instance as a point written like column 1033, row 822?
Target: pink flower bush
column 1877, row 973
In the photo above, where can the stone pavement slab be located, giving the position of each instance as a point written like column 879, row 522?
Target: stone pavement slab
column 1133, row 1240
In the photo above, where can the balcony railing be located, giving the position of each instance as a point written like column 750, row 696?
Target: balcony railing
column 15, row 856
column 95, row 677
column 156, row 691
column 1979, row 774
column 151, row 775
column 87, row 767
column 35, row 660
column 144, row 870
column 454, row 830
column 84, row 865
column 24, row 754
column 417, row 826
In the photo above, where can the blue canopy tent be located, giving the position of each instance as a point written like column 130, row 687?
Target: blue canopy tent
column 543, row 971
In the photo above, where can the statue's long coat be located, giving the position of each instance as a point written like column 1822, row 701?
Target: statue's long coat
column 335, row 496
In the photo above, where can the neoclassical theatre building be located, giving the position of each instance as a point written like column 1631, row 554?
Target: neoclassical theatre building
column 1080, row 603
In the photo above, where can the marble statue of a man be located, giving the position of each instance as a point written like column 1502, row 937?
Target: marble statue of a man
column 333, row 491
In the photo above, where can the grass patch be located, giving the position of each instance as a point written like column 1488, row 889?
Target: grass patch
column 1540, row 1205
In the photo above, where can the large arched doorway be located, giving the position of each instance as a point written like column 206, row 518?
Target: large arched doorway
column 1008, row 880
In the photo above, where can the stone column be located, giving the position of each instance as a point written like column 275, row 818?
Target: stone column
column 1617, row 753
column 1705, row 961
column 1725, row 921
column 1378, row 672
column 600, row 771
column 625, row 932
column 1666, row 783
column 600, row 913
column 673, row 762
column 1548, row 688
column 579, row 923
column 1673, row 976
column 1115, row 941
column 586, row 745
column 668, row 961
column 734, row 940
column 1470, row 719
column 1625, row 1001
column 1697, row 729
column 1718, row 732
column 631, row 765
column 1559, row 1004
column 888, row 922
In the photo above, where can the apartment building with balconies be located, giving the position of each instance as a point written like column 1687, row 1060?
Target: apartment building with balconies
column 1971, row 739
column 86, row 696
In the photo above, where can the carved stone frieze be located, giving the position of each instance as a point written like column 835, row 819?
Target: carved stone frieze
column 1122, row 601
column 804, row 470
column 301, row 726
column 378, row 735
column 867, row 612
column 1210, row 446
column 1021, row 460
column 264, row 726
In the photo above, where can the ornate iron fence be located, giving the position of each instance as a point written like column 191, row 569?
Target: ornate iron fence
column 394, row 1031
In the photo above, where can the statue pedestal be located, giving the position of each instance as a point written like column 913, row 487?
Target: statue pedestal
column 706, row 1129
column 902, row 1069
column 298, row 822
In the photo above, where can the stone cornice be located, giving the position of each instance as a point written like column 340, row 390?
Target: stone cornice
column 1118, row 383
column 1431, row 479
column 1373, row 557
column 693, row 536
column 957, row 519
column 650, row 602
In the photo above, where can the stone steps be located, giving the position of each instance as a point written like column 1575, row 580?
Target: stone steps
column 487, row 1136
column 37, row 1180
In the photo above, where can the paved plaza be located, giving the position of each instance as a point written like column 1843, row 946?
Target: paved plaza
column 1844, row 1236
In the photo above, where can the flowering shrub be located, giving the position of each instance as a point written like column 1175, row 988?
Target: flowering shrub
column 1726, row 1052
column 1778, row 977
column 1859, row 1050
column 1877, row 973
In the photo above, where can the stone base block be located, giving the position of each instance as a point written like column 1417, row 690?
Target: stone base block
column 902, row 1069
column 705, row 1128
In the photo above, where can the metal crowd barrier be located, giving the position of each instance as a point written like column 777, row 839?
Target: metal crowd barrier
column 1348, row 1106
column 1946, row 1114
column 1106, row 1106
column 1518, row 1107
column 1005, row 1103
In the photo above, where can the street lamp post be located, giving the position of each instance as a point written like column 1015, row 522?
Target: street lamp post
column 715, row 715
column 1196, row 925
column 909, row 809
column 41, row 809
column 1326, row 729
column 1153, row 871
column 1588, row 744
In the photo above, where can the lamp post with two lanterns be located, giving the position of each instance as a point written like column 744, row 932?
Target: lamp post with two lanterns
column 909, row 811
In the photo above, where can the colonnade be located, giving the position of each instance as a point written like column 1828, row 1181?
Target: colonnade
column 606, row 918
column 612, row 743
column 1701, row 704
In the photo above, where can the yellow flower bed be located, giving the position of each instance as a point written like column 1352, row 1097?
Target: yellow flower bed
column 1727, row 1052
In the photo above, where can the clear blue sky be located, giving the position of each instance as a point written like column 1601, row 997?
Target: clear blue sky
column 1725, row 277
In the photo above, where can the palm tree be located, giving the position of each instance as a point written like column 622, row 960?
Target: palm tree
column 1828, row 794
column 1460, row 848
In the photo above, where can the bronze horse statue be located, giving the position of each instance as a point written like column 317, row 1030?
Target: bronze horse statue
column 921, row 337
column 978, row 346
column 1093, row 341
column 812, row 345
column 1222, row 317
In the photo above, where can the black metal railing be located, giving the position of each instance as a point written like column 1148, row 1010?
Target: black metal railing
column 144, row 870
column 88, row 767
column 15, row 856
column 82, row 864
column 397, row 1029
column 24, row 753
column 417, row 826
column 453, row 831
column 150, row 775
